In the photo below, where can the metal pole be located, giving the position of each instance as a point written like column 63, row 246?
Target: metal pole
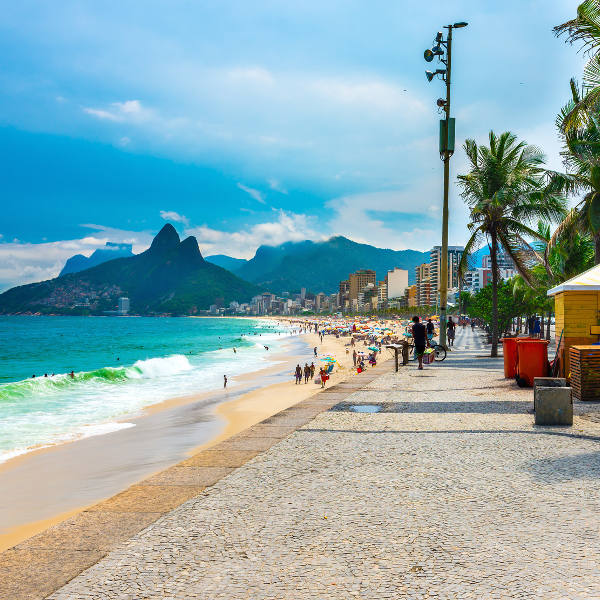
column 443, row 279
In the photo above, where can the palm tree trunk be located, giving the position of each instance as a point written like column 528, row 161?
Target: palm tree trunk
column 494, row 257
column 542, row 325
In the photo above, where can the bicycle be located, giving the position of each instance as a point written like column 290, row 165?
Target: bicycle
column 438, row 351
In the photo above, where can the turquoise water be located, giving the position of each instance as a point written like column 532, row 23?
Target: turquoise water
column 120, row 365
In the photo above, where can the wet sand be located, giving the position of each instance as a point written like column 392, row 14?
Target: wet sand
column 50, row 484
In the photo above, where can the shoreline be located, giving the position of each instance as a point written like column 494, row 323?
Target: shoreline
column 221, row 418
column 166, row 403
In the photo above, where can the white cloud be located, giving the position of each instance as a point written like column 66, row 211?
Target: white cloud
column 171, row 215
column 243, row 244
column 22, row 263
column 370, row 93
column 274, row 184
column 128, row 111
column 409, row 218
column 102, row 114
column 252, row 75
column 256, row 194
column 301, row 124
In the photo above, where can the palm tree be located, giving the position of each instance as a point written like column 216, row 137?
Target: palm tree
column 584, row 29
column 505, row 192
column 581, row 155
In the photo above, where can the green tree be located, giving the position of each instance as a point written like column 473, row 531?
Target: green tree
column 584, row 29
column 508, row 305
column 505, row 192
column 581, row 155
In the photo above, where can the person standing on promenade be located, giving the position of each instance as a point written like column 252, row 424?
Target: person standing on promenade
column 419, row 334
column 430, row 331
column 537, row 328
column 451, row 331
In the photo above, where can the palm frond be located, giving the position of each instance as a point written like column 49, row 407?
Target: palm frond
column 470, row 245
column 584, row 28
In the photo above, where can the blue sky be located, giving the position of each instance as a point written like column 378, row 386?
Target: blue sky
column 254, row 122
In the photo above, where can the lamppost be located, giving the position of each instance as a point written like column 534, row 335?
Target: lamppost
column 442, row 48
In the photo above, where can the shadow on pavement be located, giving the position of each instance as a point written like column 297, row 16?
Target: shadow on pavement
column 481, row 407
column 578, row 466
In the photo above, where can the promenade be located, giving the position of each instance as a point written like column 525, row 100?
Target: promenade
column 420, row 484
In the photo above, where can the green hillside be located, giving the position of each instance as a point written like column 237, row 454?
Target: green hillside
column 319, row 266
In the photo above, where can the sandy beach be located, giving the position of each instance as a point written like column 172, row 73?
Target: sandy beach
column 72, row 476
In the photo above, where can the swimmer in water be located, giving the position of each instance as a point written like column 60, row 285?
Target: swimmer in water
column 72, row 374
column 234, row 351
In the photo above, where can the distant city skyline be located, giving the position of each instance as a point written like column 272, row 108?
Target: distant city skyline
column 253, row 123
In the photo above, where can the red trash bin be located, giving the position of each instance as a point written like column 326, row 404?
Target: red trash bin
column 532, row 360
column 509, row 351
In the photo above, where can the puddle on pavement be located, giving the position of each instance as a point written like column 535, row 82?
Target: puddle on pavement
column 365, row 408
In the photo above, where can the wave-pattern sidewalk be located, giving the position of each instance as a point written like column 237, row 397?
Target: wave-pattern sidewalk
column 446, row 491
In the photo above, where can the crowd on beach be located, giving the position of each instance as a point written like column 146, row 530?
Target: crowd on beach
column 364, row 339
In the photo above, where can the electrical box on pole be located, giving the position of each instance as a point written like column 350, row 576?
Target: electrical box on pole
column 447, row 137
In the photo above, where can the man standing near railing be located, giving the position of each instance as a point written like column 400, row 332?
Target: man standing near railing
column 419, row 334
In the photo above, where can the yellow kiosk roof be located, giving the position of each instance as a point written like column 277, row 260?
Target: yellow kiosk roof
column 587, row 281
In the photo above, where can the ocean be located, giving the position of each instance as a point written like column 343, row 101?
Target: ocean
column 120, row 365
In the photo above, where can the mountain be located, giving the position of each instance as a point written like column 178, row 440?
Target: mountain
column 476, row 258
column 319, row 266
column 170, row 277
column 226, row 262
column 79, row 262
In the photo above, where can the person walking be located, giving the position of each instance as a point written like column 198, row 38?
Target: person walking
column 354, row 355
column 537, row 328
column 312, row 370
column 315, row 350
column 430, row 331
column 451, row 331
column 306, row 373
column 224, row 381
column 298, row 374
column 324, row 377
column 419, row 334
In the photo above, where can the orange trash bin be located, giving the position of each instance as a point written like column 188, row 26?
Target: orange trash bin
column 532, row 360
column 509, row 351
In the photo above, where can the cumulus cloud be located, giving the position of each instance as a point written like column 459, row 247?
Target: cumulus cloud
column 130, row 110
column 256, row 194
column 22, row 263
column 287, row 227
column 171, row 215
column 397, row 219
column 296, row 124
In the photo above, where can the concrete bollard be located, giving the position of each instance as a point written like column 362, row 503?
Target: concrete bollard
column 553, row 406
column 546, row 382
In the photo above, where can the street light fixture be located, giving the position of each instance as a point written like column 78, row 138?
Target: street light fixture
column 446, row 151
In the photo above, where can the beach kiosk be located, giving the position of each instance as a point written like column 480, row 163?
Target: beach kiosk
column 577, row 309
